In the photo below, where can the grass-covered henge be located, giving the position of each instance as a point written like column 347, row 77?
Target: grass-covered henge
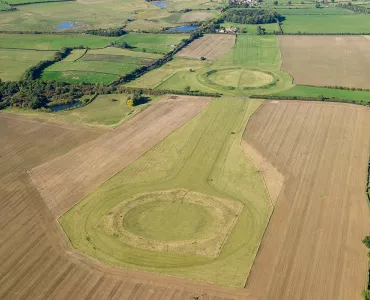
column 203, row 156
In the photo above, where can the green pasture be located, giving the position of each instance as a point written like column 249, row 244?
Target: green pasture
column 155, row 43
column 98, row 66
column 313, row 11
column 201, row 156
column 14, row 62
column 354, row 23
column 106, row 111
column 311, row 91
column 87, row 14
column 52, row 42
column 17, row 2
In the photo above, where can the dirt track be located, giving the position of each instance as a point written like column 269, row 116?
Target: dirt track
column 327, row 60
column 69, row 178
column 210, row 46
column 312, row 248
column 37, row 261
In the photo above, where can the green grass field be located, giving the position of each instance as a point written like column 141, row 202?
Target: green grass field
column 310, row 91
column 313, row 11
column 52, row 42
column 102, row 65
column 13, row 63
column 354, row 23
column 202, row 156
column 16, row 2
column 106, row 111
column 156, row 43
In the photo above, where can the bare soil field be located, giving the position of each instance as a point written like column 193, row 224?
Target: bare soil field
column 37, row 261
column 210, row 46
column 327, row 60
column 69, row 178
column 312, row 247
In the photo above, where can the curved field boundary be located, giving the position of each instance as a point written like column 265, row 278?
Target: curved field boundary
column 66, row 180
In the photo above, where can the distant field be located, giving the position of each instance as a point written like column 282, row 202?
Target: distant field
column 32, row 1
column 354, row 23
column 103, row 65
column 13, row 63
column 327, row 60
column 105, row 111
column 313, row 11
column 310, row 91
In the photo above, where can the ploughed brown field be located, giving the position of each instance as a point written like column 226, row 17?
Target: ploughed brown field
column 67, row 179
column 210, row 46
column 327, row 60
column 312, row 248
column 37, row 261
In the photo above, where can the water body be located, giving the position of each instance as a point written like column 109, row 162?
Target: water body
column 185, row 28
column 64, row 106
column 160, row 4
column 65, row 25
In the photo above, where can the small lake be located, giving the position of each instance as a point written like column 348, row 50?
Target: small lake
column 65, row 25
column 160, row 4
column 185, row 28
column 61, row 107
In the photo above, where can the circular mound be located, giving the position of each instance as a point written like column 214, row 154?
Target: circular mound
column 173, row 221
column 240, row 78
column 168, row 220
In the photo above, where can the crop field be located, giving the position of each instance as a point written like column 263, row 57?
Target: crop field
column 102, row 65
column 200, row 163
column 331, row 24
column 13, row 63
column 209, row 46
column 312, row 248
column 37, row 259
column 327, row 60
column 313, row 11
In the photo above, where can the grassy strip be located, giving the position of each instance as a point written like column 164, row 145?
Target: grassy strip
column 302, row 92
column 366, row 293
column 148, row 91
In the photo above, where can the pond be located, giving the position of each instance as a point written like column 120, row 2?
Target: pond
column 61, row 107
column 65, row 25
column 185, row 28
column 160, row 4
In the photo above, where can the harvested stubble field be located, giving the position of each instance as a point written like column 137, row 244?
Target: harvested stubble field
column 312, row 248
column 69, row 178
column 327, row 60
column 210, row 46
column 37, row 261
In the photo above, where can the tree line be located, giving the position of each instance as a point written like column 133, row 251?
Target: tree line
column 252, row 16
column 355, row 8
